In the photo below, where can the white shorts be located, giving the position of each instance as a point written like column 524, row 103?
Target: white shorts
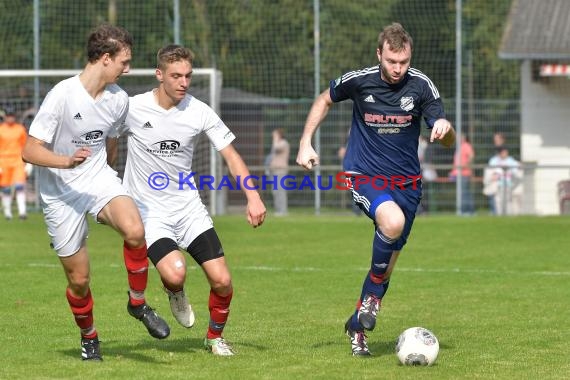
column 183, row 228
column 67, row 220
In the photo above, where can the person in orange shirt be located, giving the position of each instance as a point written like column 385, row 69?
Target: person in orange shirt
column 12, row 167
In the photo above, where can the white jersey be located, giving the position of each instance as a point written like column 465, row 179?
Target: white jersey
column 163, row 141
column 69, row 119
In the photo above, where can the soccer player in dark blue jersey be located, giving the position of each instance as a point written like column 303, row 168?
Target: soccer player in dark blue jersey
column 381, row 164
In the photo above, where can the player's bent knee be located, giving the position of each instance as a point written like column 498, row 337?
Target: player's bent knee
column 79, row 285
column 392, row 230
column 172, row 280
column 134, row 235
column 391, row 224
column 225, row 283
column 222, row 288
column 172, row 272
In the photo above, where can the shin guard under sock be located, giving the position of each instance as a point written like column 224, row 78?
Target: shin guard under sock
column 219, row 311
column 136, row 262
column 82, row 309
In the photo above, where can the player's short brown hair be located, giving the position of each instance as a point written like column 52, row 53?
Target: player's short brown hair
column 107, row 38
column 396, row 36
column 173, row 53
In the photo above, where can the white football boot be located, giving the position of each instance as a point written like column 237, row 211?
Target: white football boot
column 219, row 346
column 181, row 308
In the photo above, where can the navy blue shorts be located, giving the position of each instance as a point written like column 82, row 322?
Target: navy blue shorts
column 368, row 195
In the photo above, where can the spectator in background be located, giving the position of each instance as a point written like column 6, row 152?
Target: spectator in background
column 28, row 116
column 13, row 170
column 499, row 139
column 279, row 167
column 341, row 153
column 429, row 174
column 503, row 181
column 462, row 160
column 498, row 142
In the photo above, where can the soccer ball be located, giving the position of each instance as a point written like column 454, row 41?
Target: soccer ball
column 417, row 346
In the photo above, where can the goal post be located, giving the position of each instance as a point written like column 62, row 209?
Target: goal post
column 24, row 90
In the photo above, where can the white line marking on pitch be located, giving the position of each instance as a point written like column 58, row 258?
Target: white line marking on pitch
column 404, row 269
column 397, row 269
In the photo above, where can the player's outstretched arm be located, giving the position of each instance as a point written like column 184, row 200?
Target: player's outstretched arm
column 36, row 153
column 255, row 209
column 443, row 132
column 307, row 157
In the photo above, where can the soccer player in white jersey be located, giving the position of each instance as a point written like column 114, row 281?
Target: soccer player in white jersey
column 68, row 140
column 163, row 126
column 381, row 160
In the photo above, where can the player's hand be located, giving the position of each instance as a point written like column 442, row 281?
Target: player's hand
column 307, row 157
column 79, row 156
column 440, row 128
column 256, row 212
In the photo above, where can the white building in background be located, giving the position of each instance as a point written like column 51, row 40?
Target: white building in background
column 538, row 34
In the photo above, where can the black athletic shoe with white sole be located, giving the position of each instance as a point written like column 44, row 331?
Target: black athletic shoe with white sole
column 156, row 326
column 90, row 349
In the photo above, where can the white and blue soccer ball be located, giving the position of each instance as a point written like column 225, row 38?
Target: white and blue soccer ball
column 417, row 346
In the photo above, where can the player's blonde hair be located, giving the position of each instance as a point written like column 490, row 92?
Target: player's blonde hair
column 396, row 36
column 173, row 53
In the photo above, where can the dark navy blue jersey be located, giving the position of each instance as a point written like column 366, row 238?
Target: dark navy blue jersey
column 386, row 120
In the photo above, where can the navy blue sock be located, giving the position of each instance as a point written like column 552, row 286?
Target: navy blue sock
column 374, row 283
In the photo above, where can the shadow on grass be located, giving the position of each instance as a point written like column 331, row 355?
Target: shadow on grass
column 141, row 351
column 376, row 348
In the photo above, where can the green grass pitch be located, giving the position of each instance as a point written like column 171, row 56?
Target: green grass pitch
column 494, row 290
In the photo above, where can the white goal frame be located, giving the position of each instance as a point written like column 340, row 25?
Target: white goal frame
column 216, row 204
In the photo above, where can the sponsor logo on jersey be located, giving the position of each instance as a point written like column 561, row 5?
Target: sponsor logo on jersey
column 92, row 135
column 369, row 99
column 147, row 125
column 387, row 124
column 167, row 145
column 407, row 103
column 165, row 148
column 387, row 119
column 77, row 116
column 89, row 138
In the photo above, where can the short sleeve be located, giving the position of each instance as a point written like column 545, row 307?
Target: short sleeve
column 48, row 119
column 219, row 134
column 120, row 126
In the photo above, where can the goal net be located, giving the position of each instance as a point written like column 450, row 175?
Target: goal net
column 24, row 90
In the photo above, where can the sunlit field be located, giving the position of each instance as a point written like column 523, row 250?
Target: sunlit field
column 495, row 291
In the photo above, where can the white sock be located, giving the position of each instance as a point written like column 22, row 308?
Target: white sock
column 7, row 205
column 21, row 201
